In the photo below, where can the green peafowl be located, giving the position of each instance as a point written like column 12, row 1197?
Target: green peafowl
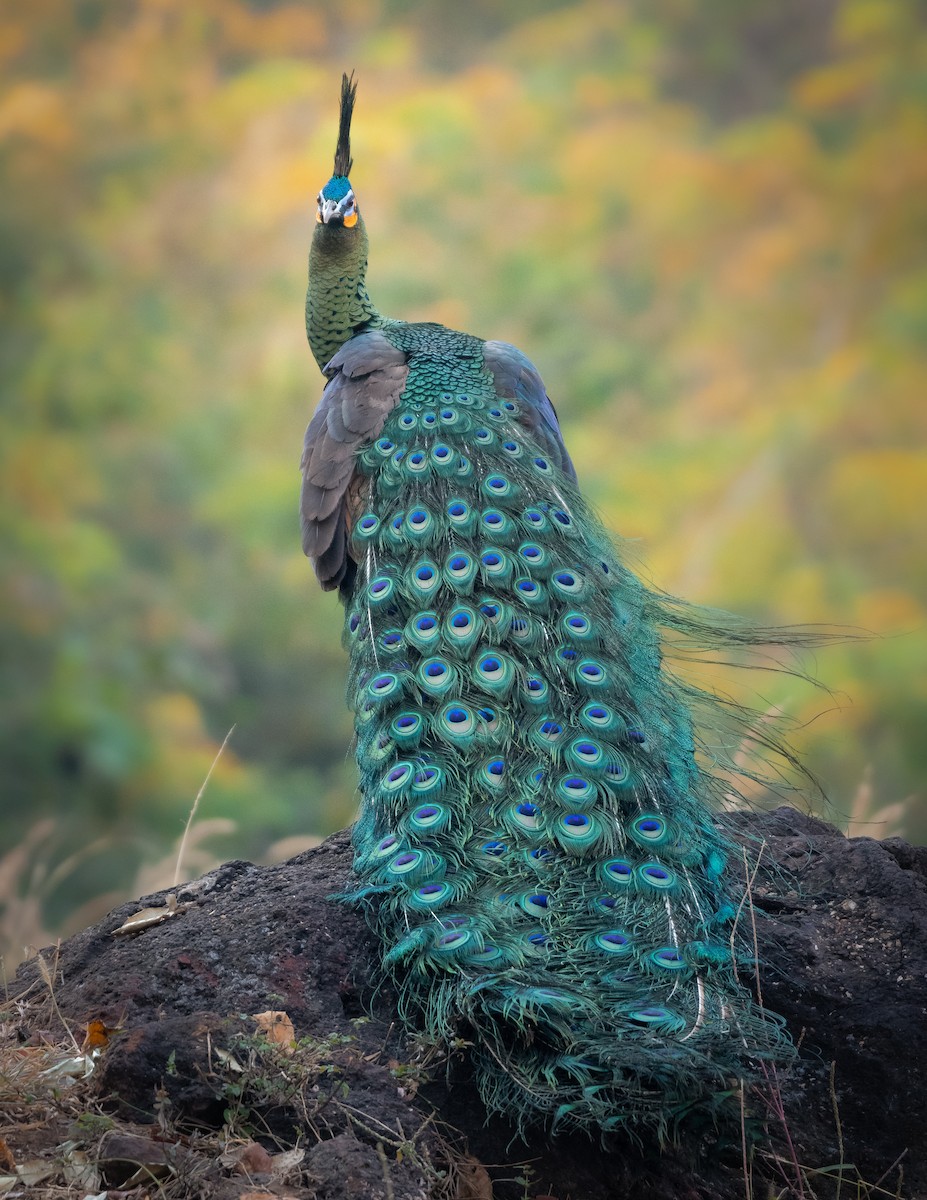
column 536, row 847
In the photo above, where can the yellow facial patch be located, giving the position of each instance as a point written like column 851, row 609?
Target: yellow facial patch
column 351, row 220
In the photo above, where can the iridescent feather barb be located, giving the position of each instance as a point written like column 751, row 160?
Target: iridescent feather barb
column 536, row 847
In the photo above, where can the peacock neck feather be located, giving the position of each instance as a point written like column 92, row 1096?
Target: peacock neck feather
column 337, row 303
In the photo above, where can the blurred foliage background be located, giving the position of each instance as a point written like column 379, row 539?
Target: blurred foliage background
column 705, row 220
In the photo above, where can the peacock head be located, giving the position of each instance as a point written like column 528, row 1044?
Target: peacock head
column 337, row 205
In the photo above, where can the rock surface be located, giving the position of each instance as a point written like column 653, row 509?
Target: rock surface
column 842, row 938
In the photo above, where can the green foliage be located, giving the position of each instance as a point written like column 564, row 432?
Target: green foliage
column 704, row 222
column 262, row 1075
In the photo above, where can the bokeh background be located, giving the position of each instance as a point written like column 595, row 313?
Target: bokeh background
column 705, row 220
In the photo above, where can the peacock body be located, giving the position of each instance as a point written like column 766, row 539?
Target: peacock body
column 536, row 846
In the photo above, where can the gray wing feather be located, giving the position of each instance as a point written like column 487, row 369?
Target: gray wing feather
column 517, row 378
column 332, row 565
column 365, row 380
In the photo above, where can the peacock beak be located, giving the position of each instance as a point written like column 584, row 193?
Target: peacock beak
column 338, row 212
column 330, row 212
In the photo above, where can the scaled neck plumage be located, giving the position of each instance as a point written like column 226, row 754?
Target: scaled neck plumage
column 337, row 304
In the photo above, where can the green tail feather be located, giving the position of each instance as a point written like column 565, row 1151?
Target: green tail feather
column 535, row 830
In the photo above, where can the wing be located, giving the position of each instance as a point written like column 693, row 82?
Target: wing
column 517, row 378
column 365, row 380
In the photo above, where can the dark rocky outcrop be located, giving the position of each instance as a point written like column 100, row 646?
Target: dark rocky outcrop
column 842, row 932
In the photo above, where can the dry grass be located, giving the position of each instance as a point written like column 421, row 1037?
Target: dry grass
column 28, row 881
column 868, row 818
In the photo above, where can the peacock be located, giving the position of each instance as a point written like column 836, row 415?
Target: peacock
column 536, row 847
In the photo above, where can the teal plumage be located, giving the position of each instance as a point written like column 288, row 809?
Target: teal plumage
column 536, row 847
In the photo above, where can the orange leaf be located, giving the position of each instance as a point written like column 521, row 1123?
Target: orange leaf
column 276, row 1027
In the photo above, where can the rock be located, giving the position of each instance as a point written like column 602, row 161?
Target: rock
column 124, row 1157
column 345, row 1168
column 842, row 934
column 168, row 1059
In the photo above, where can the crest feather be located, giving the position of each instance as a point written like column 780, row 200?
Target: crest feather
column 343, row 159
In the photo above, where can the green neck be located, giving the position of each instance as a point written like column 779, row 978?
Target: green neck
column 337, row 304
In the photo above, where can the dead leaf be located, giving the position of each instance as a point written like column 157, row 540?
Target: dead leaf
column 286, row 1164
column 228, row 1060
column 250, row 1159
column 79, row 1169
column 36, row 1171
column 473, row 1182
column 277, row 1028
column 98, row 1035
column 147, row 917
column 69, row 1069
column 7, row 1161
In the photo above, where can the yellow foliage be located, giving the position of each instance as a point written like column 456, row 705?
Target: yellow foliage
column 880, row 496
column 840, row 84
column 868, row 22
column 35, row 111
column 727, row 299
column 176, row 718
column 889, row 611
